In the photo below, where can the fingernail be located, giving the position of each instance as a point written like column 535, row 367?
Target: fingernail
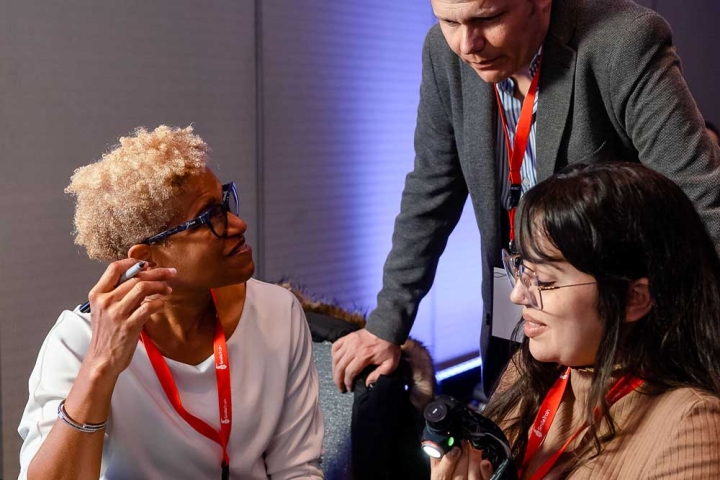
column 454, row 452
column 173, row 270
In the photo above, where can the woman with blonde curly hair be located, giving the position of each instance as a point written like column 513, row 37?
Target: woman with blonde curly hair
column 190, row 369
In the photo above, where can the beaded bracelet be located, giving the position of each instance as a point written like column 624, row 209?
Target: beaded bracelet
column 84, row 427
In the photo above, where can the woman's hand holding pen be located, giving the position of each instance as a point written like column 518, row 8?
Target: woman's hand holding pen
column 119, row 313
column 120, row 309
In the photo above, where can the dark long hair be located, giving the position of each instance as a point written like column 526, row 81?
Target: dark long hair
column 620, row 222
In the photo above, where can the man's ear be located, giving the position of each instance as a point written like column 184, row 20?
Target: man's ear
column 141, row 251
column 639, row 301
column 545, row 5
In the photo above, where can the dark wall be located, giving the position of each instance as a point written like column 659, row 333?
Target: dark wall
column 696, row 30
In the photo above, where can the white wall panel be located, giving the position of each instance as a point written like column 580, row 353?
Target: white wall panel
column 341, row 86
column 75, row 76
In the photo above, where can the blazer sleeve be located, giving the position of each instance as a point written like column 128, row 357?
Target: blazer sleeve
column 432, row 202
column 652, row 102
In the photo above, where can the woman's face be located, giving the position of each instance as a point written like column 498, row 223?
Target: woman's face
column 567, row 330
column 203, row 260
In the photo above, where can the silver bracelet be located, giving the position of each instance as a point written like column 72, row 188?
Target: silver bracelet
column 84, row 427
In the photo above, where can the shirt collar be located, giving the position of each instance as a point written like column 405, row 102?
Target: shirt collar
column 535, row 62
column 508, row 86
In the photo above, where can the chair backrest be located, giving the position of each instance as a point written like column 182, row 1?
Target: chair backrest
column 337, row 409
column 373, row 433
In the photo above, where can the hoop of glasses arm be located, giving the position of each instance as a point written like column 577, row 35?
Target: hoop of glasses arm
column 210, row 217
column 530, row 285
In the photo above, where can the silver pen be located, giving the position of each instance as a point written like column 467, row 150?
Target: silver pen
column 129, row 273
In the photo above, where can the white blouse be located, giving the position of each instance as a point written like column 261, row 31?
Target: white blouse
column 277, row 427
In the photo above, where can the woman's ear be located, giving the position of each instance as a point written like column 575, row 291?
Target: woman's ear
column 141, row 251
column 639, row 301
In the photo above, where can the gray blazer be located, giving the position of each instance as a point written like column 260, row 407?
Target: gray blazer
column 610, row 89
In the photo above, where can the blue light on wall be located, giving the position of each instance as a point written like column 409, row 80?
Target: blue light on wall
column 341, row 89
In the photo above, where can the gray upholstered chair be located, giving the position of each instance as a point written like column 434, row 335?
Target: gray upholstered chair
column 369, row 434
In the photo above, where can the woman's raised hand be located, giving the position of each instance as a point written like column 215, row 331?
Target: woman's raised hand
column 120, row 311
column 460, row 464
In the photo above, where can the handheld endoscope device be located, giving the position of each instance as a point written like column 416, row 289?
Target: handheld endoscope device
column 448, row 422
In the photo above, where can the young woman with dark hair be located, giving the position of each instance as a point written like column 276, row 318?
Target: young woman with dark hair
column 618, row 374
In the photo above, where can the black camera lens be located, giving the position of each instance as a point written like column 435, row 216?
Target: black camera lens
column 435, row 413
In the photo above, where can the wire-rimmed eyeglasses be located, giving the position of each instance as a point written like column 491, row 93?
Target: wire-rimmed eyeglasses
column 531, row 287
column 214, row 217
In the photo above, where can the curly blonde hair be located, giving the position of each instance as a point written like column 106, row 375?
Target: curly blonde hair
column 128, row 195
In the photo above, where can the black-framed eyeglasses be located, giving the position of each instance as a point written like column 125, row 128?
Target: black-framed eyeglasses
column 214, row 217
column 531, row 287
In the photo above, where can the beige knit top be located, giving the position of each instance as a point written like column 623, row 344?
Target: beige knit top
column 674, row 435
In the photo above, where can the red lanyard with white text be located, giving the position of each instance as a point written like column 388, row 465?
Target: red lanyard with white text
column 549, row 408
column 516, row 152
column 222, row 373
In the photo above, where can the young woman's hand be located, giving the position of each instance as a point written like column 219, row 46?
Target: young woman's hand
column 460, row 464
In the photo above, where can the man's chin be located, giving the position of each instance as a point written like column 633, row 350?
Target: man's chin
column 491, row 76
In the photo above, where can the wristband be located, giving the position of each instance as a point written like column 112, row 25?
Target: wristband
column 83, row 427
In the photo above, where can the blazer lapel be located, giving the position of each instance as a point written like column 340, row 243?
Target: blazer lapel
column 557, row 78
column 479, row 125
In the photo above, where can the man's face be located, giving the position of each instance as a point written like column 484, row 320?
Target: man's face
column 497, row 38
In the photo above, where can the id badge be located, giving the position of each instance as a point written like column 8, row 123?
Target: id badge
column 506, row 314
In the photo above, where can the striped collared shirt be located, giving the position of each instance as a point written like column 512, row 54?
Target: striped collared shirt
column 512, row 107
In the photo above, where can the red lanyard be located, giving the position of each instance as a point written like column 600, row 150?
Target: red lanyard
column 516, row 152
column 222, row 373
column 549, row 408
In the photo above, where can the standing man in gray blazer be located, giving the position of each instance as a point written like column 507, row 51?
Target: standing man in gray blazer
column 610, row 88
